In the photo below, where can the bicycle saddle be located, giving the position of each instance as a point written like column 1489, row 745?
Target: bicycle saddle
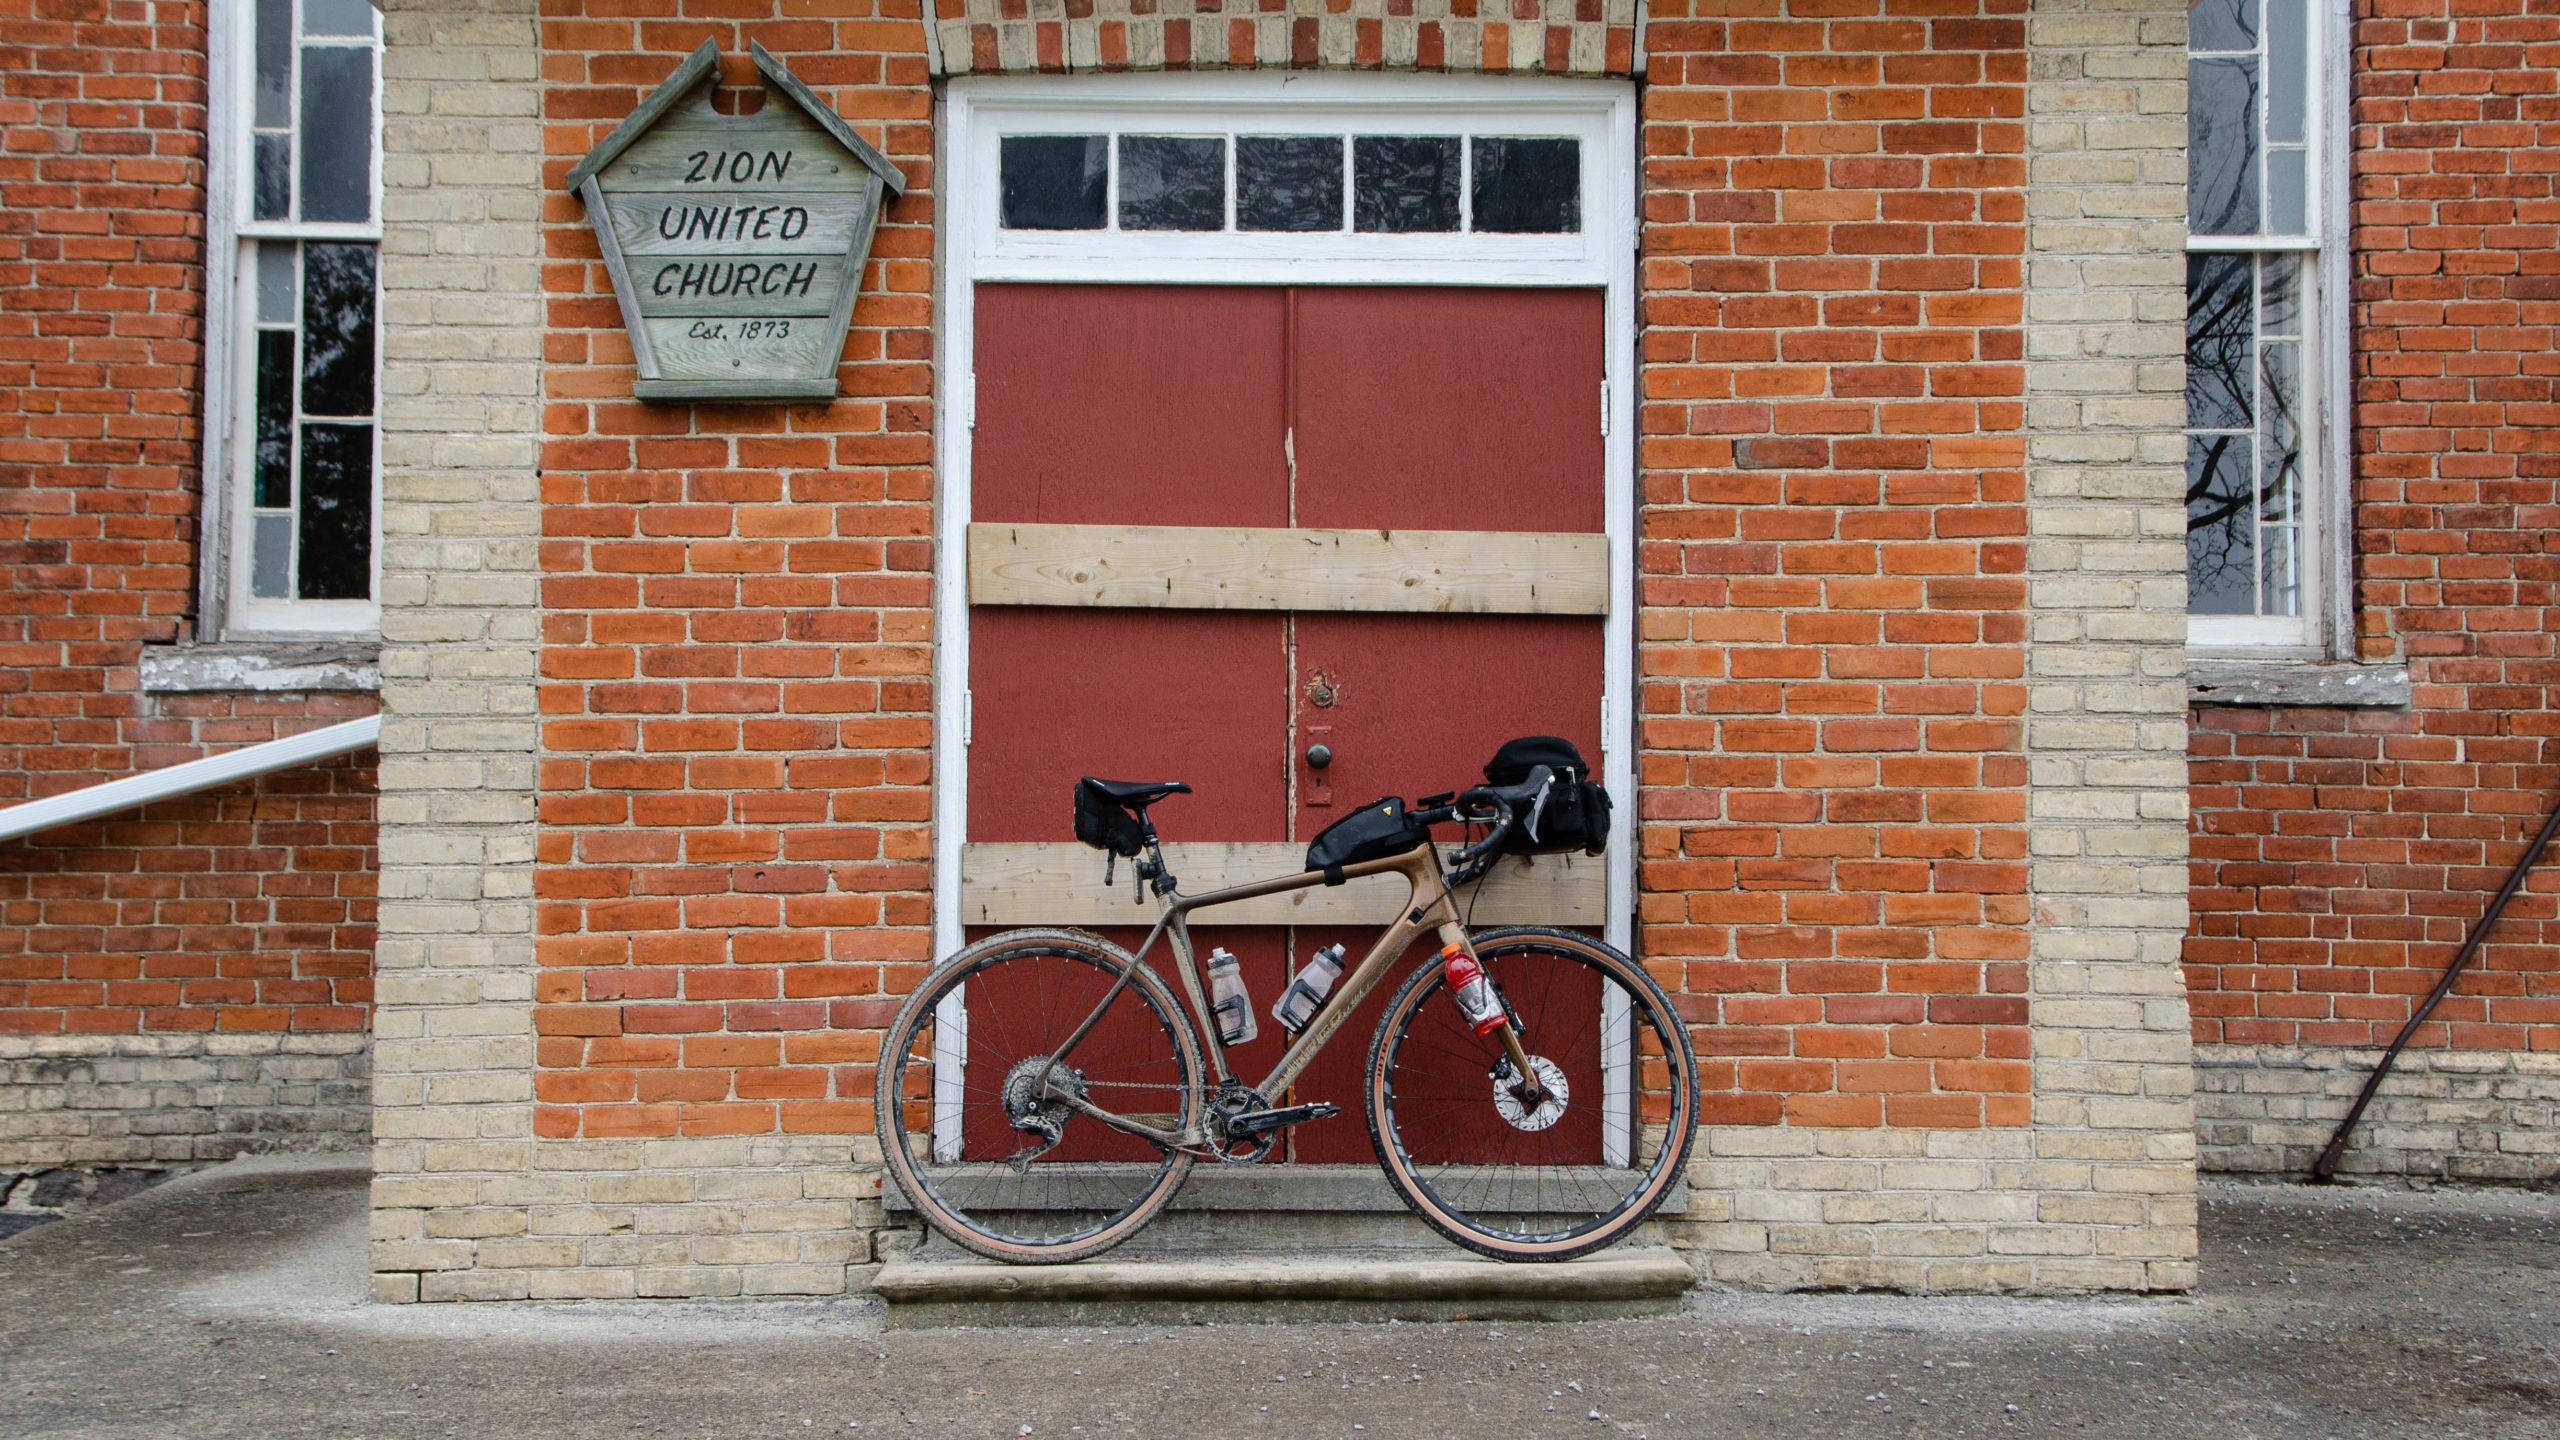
column 1138, row 792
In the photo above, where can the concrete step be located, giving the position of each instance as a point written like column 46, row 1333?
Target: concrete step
column 939, row 1287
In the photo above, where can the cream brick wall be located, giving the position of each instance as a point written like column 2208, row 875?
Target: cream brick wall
column 2099, row 1192
column 2477, row 1115
column 178, row 1098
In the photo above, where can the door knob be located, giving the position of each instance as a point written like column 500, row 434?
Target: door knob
column 1319, row 756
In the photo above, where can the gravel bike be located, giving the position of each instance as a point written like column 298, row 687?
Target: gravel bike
column 1043, row 1093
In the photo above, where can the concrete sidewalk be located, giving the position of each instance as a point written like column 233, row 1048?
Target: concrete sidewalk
column 228, row 1303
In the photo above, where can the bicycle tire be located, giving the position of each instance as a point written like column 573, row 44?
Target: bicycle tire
column 1534, row 1187
column 961, row 1189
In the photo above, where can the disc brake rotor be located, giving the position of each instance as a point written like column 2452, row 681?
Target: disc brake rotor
column 1551, row 1103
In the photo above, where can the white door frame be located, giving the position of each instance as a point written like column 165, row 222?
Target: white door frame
column 974, row 250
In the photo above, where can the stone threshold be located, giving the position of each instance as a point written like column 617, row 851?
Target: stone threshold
column 929, row 1290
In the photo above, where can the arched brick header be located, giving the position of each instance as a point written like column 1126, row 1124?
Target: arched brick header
column 1519, row 37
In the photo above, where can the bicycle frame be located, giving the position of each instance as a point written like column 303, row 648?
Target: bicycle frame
column 1427, row 907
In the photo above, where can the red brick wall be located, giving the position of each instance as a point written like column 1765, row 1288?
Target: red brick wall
column 2340, row 855
column 245, row 910
column 737, row 644
column 1833, row 780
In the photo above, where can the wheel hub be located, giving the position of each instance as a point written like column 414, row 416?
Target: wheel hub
column 1554, row 1095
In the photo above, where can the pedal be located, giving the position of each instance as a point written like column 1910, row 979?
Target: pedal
column 1258, row 1122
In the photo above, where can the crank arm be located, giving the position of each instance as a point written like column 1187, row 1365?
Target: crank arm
column 1256, row 1122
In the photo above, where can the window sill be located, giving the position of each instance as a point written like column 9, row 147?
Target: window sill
column 348, row 665
column 2296, row 684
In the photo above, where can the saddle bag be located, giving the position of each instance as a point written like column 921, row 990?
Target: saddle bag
column 1104, row 823
column 1374, row 831
column 1573, row 814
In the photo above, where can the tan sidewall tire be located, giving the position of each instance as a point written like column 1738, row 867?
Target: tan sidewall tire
column 901, row 1035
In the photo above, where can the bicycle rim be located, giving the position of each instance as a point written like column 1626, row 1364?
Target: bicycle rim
column 1571, row 1174
column 961, row 1114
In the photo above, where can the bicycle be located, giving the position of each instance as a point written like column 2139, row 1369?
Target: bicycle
column 1055, row 1121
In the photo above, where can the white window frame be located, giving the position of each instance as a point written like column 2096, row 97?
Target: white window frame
column 226, row 609
column 2324, row 629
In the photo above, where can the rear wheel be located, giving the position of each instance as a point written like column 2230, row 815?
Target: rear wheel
column 977, row 1127
column 1591, row 1159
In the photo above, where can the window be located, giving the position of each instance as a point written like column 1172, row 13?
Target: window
column 293, row 498
column 2262, row 560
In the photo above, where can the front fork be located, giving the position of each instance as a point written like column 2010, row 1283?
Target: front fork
column 1527, row 1090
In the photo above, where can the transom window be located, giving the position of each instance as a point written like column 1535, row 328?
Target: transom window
column 2261, row 561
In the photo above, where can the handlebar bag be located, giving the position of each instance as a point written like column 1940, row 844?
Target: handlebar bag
column 1574, row 814
column 1106, row 824
column 1374, row 831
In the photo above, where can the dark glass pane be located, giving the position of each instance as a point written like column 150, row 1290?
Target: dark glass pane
column 337, row 17
column 337, row 329
column 274, row 108
column 2222, row 146
column 274, row 485
column 2288, row 69
column 273, row 186
column 2280, row 294
column 2222, row 556
column 336, row 513
column 1404, row 184
column 1053, row 182
column 337, row 133
column 2280, row 433
column 2223, row 25
column 1173, row 182
column 271, row 557
column 2221, row 375
column 1528, row 187
column 1289, row 182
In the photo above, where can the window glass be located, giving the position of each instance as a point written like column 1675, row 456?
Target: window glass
column 2248, row 117
column 2245, row 482
column 1173, row 182
column 311, row 480
column 311, row 116
column 1404, row 184
column 1053, row 182
column 1527, row 186
column 337, row 133
column 1289, row 182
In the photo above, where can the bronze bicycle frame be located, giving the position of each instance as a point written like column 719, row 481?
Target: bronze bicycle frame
column 1427, row 906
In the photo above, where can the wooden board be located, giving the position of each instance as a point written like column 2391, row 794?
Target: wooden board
column 1060, row 883
column 1454, row 572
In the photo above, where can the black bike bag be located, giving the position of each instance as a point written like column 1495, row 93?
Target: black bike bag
column 1104, row 823
column 1573, row 813
column 1374, row 831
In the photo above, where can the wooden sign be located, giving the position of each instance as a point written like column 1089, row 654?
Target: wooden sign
column 735, row 242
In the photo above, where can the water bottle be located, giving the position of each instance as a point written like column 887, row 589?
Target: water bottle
column 1469, row 987
column 1229, row 1005
column 1298, row 1004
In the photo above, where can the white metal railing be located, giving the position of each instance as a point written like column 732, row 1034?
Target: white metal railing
column 163, row 784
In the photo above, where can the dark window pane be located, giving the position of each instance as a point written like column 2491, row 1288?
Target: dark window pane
column 2222, row 146
column 1053, row 182
column 1528, row 187
column 2280, row 433
column 2280, row 294
column 274, row 485
column 2223, row 25
column 337, row 329
column 2288, row 70
column 2222, row 557
column 337, row 17
column 1173, row 182
column 1404, row 184
column 1289, row 182
column 274, row 109
column 2220, row 373
column 336, row 513
column 271, row 557
column 273, row 185
column 337, row 133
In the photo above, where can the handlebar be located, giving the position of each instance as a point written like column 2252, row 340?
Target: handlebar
column 1493, row 805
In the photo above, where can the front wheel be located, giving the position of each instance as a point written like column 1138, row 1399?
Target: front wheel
column 991, row 1140
column 1617, row 1100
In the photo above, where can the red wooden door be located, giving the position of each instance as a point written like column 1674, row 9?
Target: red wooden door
column 1353, row 408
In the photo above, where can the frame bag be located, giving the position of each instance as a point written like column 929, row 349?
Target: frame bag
column 1104, row 823
column 1573, row 815
column 1374, row 831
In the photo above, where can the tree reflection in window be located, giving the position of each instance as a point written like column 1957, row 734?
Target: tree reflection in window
column 2244, row 434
